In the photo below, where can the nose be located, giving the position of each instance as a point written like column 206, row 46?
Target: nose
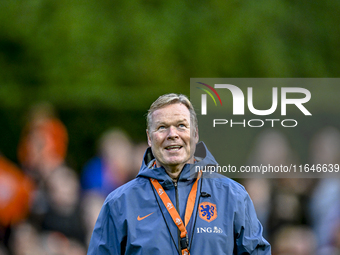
column 172, row 134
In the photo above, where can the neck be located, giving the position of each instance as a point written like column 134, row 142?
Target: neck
column 174, row 175
column 173, row 172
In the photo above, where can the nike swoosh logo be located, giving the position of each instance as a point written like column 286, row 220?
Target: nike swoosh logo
column 142, row 218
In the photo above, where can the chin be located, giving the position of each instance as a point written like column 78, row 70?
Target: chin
column 177, row 162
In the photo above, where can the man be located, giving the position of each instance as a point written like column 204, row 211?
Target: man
column 171, row 209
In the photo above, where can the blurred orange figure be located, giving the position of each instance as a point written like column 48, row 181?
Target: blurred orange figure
column 44, row 141
column 15, row 193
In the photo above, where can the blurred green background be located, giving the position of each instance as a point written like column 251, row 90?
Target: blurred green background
column 102, row 63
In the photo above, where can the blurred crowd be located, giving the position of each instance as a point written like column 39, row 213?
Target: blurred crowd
column 301, row 216
column 47, row 208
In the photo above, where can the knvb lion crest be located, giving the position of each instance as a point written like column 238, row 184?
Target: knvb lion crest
column 207, row 211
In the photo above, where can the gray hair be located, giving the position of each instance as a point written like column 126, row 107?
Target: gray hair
column 169, row 99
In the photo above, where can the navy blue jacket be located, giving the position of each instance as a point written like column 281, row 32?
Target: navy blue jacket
column 133, row 219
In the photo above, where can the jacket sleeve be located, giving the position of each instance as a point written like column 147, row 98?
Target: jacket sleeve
column 105, row 238
column 248, row 230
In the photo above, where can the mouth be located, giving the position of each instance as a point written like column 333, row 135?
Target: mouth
column 173, row 147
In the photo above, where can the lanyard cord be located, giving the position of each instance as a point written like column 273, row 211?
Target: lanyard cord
column 174, row 214
column 166, row 223
column 198, row 202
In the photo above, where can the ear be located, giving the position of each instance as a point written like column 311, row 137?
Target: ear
column 196, row 135
column 149, row 139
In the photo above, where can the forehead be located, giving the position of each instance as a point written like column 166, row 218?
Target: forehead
column 177, row 111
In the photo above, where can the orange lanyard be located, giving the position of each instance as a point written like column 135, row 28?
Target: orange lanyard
column 173, row 212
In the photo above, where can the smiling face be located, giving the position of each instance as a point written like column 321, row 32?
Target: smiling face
column 171, row 137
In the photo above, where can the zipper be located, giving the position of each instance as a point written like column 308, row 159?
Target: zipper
column 176, row 193
column 177, row 208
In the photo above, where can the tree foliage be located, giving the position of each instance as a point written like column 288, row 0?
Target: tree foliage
column 112, row 53
column 121, row 55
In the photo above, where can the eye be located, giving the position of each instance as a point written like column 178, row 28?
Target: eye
column 182, row 126
column 161, row 127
